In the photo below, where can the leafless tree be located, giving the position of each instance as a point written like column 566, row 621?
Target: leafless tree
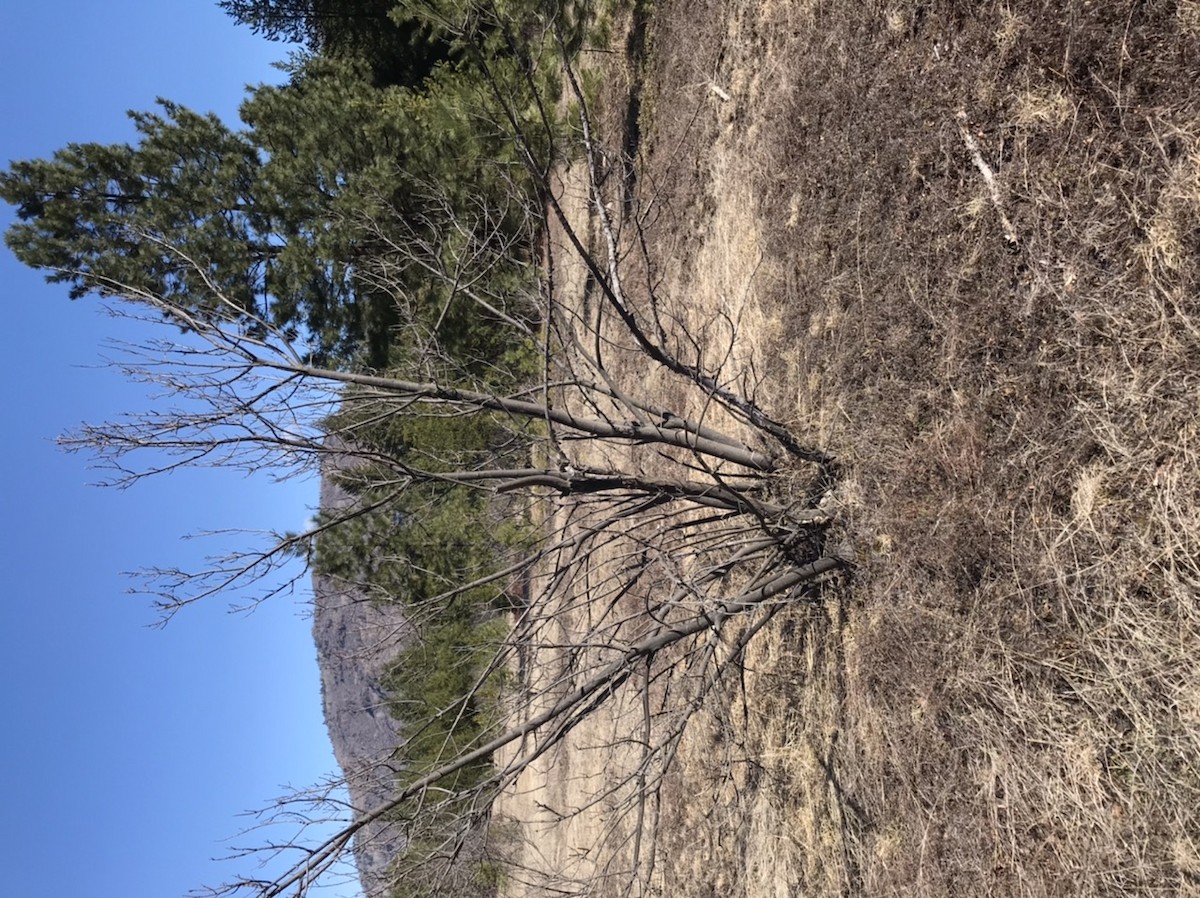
column 669, row 532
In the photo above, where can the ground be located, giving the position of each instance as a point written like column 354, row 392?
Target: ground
column 958, row 247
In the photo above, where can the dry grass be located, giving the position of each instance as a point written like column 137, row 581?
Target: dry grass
column 1006, row 699
column 1019, row 431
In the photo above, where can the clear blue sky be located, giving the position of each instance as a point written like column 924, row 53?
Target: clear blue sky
column 127, row 752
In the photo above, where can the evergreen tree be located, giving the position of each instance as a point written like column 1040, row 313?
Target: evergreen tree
column 311, row 218
column 400, row 48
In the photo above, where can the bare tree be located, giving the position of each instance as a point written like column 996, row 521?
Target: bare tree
column 669, row 531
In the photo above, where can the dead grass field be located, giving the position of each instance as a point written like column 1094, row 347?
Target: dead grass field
column 1004, row 699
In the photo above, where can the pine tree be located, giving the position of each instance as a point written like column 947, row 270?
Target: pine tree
column 325, row 214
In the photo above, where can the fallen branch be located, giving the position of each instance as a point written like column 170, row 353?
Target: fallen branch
column 989, row 178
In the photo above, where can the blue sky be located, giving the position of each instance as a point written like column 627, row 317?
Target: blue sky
column 128, row 752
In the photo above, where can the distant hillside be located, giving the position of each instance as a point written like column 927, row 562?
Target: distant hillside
column 356, row 639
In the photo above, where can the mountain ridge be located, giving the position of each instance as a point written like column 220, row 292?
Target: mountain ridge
column 357, row 639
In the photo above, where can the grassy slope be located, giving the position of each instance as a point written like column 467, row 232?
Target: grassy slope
column 1006, row 700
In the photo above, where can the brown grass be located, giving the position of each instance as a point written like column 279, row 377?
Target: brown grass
column 1019, row 429
column 1006, row 698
